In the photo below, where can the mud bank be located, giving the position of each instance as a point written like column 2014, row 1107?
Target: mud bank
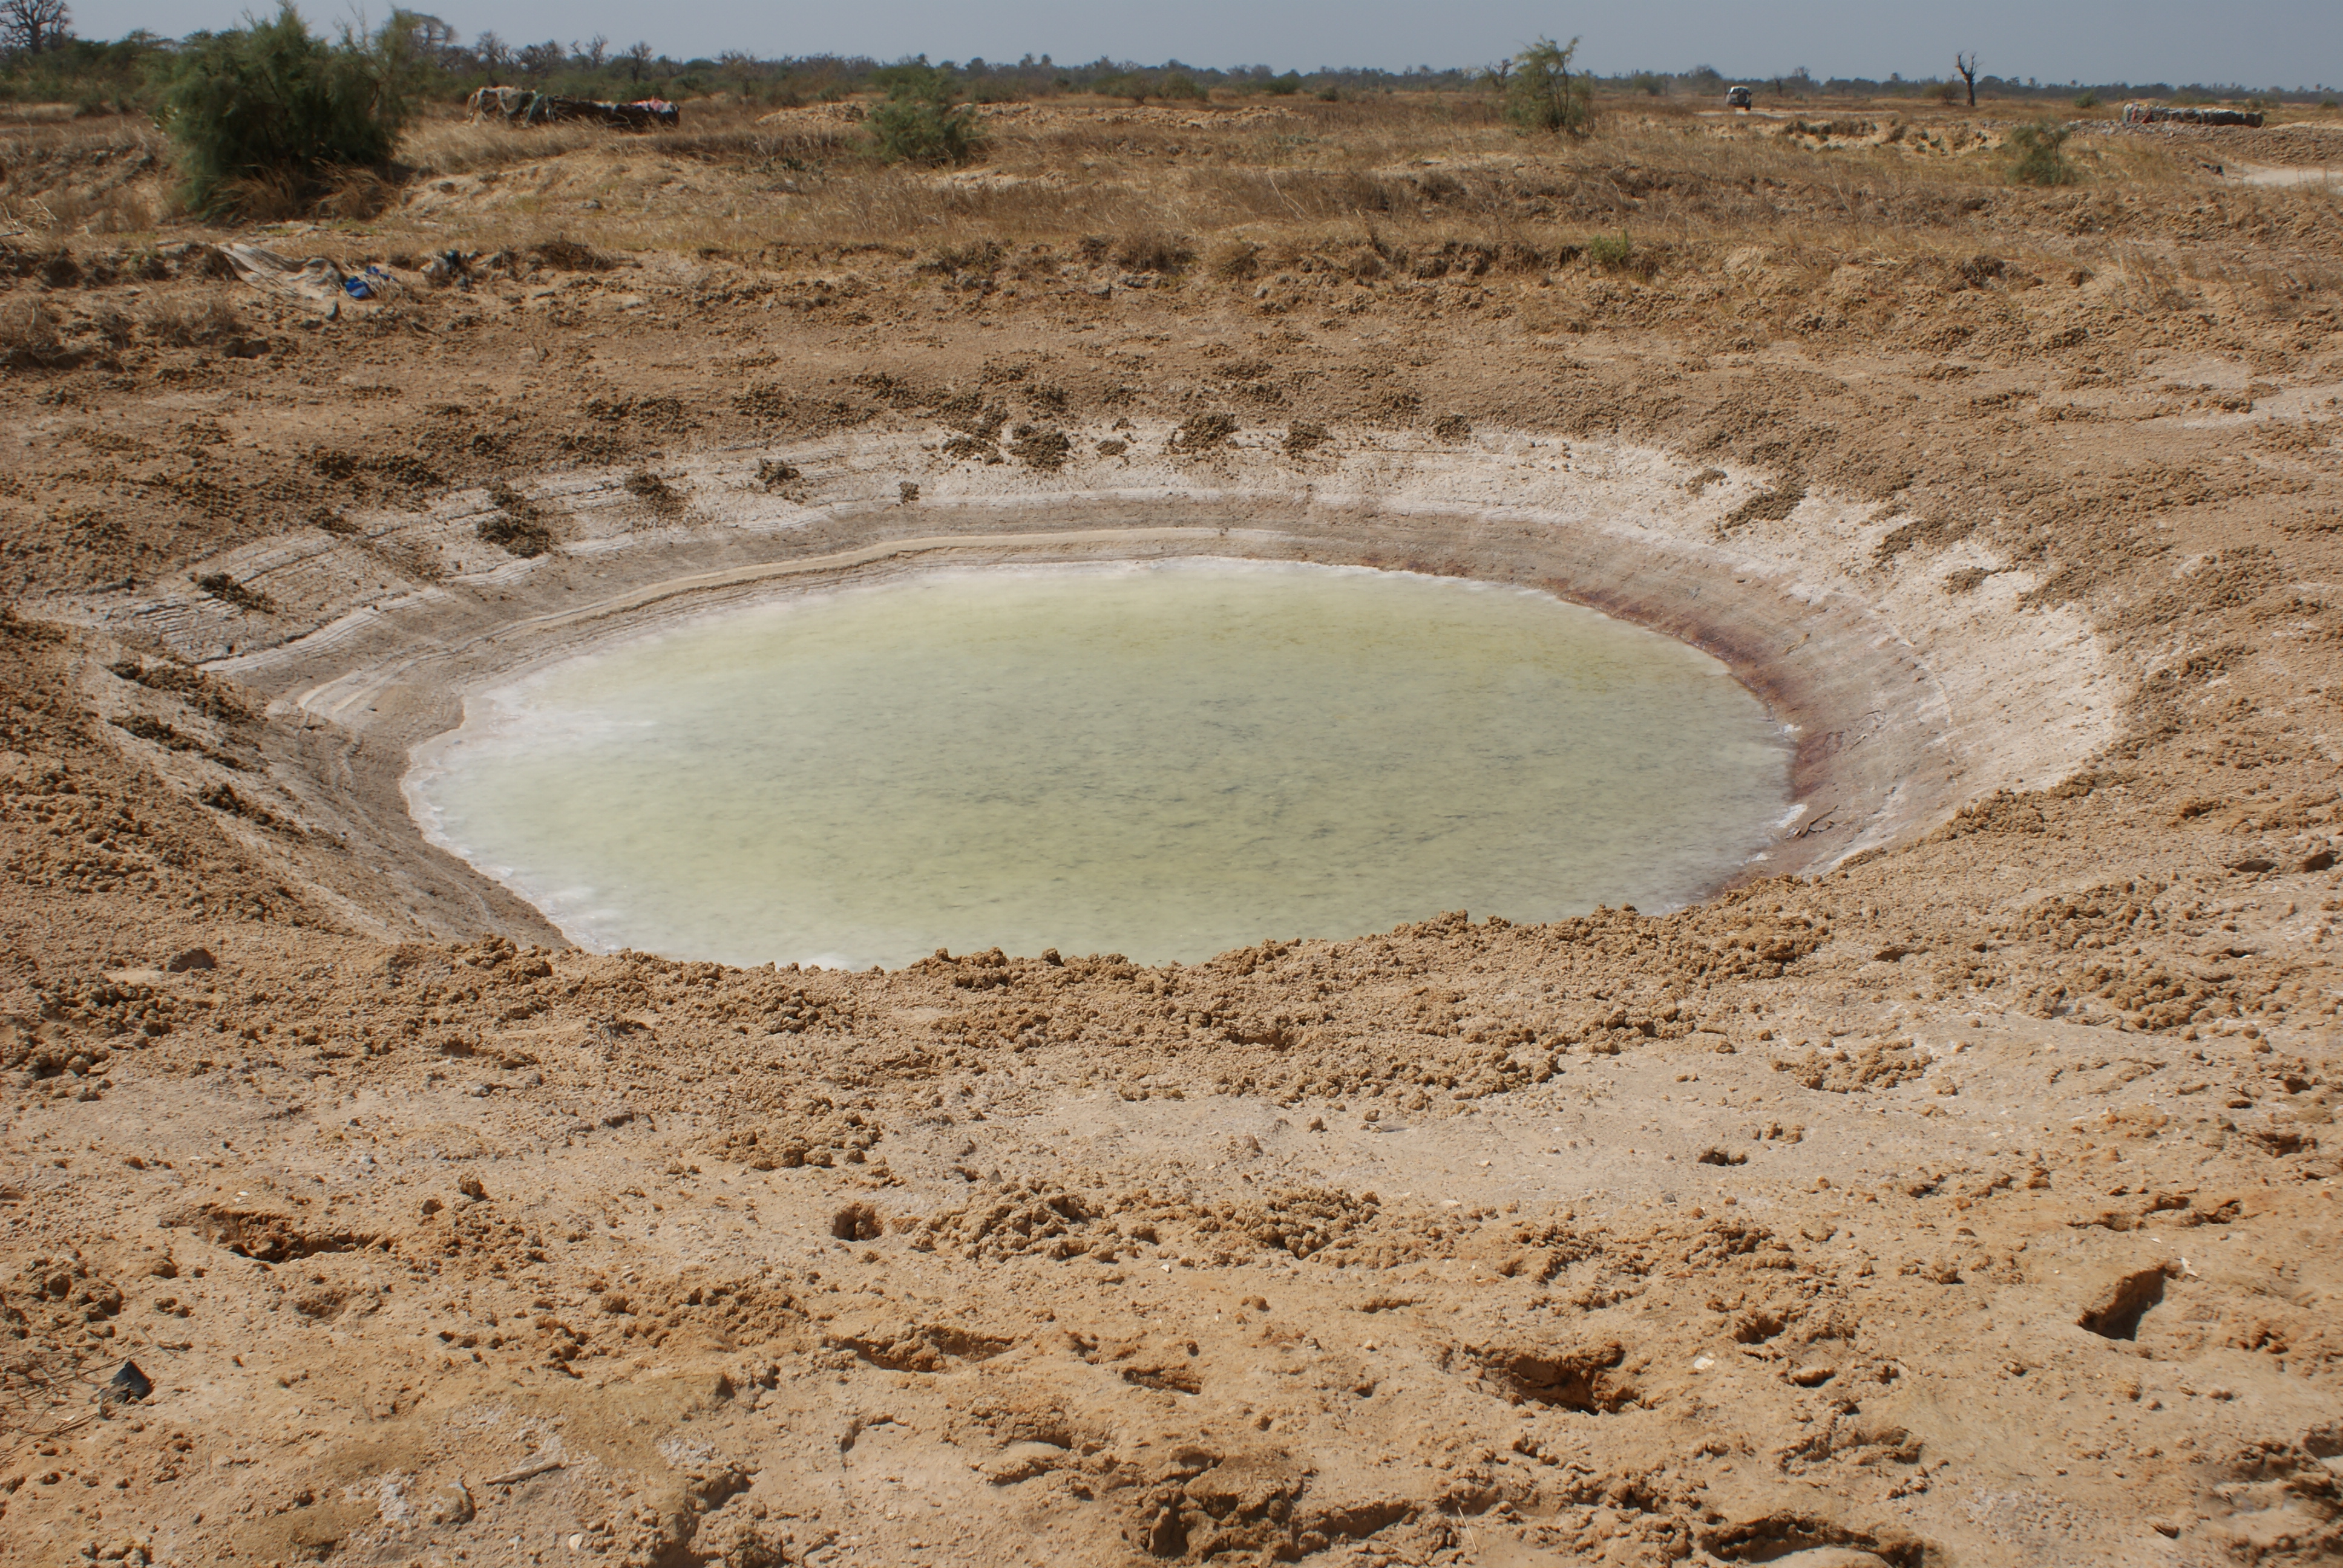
column 1906, row 699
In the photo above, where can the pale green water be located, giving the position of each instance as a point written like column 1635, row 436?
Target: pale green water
column 1164, row 760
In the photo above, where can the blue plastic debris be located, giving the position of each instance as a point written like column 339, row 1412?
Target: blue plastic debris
column 371, row 284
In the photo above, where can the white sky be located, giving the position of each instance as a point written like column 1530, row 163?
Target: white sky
column 2260, row 43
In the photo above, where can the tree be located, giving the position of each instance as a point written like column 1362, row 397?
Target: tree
column 1966, row 65
column 638, row 59
column 1544, row 94
column 538, row 61
column 270, row 104
column 33, row 25
column 413, row 48
column 493, row 54
column 594, row 50
column 430, row 38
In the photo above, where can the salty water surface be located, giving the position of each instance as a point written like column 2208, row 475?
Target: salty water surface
column 1164, row 760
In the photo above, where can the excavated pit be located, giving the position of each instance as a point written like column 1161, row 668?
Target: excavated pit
column 1904, row 699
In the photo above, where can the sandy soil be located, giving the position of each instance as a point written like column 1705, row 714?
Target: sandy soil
column 1967, row 1197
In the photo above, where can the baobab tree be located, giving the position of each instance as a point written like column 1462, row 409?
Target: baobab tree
column 33, row 25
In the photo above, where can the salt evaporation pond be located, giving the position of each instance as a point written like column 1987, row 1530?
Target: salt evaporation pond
column 1164, row 760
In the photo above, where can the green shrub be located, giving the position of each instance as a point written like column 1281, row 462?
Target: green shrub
column 1543, row 94
column 1283, row 87
column 272, row 107
column 1612, row 252
column 2088, row 100
column 2041, row 160
column 922, row 121
column 1179, row 84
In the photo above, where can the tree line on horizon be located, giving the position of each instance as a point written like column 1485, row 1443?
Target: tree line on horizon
column 42, row 60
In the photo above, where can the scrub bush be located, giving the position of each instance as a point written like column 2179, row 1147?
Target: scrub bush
column 28, row 339
column 922, row 122
column 1542, row 93
column 269, row 109
column 1612, row 252
column 1151, row 250
column 2041, row 150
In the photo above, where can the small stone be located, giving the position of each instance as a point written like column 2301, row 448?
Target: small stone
column 453, row 1505
column 129, row 1383
column 1813, row 1376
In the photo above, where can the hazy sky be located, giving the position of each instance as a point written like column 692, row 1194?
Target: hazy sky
column 2261, row 43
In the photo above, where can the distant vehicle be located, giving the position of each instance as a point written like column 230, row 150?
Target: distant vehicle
column 1737, row 98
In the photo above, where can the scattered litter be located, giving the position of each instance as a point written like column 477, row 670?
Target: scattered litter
column 373, row 283
column 316, row 283
column 2158, row 114
column 450, row 266
column 523, row 106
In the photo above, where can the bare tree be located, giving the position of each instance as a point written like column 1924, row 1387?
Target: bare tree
column 638, row 58
column 33, row 25
column 1966, row 65
column 493, row 54
column 432, row 38
column 538, row 61
column 594, row 50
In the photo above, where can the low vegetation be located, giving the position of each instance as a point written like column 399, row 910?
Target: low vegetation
column 269, row 112
column 1543, row 94
column 2041, row 154
column 922, row 120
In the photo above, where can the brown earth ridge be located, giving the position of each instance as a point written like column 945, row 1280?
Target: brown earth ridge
column 1960, row 1189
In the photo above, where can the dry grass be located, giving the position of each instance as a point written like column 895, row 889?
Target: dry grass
column 1365, row 188
column 28, row 338
column 99, row 176
column 200, row 323
column 449, row 144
